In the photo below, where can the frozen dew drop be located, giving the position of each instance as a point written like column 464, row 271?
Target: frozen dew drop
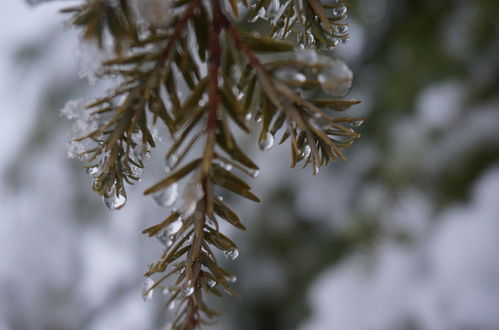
column 258, row 117
column 342, row 29
column 307, row 55
column 189, row 289
column 231, row 278
column 254, row 173
column 290, row 75
column 171, row 305
column 93, row 171
column 248, row 116
column 336, row 78
column 146, row 289
column 267, row 142
column 305, row 152
column 211, row 283
column 167, row 196
column 357, row 123
column 341, row 10
column 175, row 226
column 231, row 253
column 115, row 202
column 166, row 291
column 171, row 162
column 165, row 238
column 316, row 170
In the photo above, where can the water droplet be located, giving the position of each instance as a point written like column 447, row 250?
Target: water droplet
column 341, row 11
column 336, row 78
column 115, row 201
column 248, row 116
column 171, row 305
column 316, row 170
column 254, row 173
column 305, row 152
column 93, row 171
column 220, row 198
column 171, row 162
column 290, row 75
column 165, row 291
column 231, row 278
column 147, row 293
column 342, row 29
column 357, row 123
column 211, row 283
column 267, row 142
column 165, row 238
column 231, row 253
column 307, row 55
column 189, row 290
column 166, row 197
column 258, row 117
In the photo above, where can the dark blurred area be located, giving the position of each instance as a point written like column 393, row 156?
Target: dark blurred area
column 405, row 235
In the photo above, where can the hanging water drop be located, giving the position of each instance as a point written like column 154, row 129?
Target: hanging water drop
column 316, row 170
column 336, row 78
column 342, row 29
column 231, row 278
column 231, row 253
column 93, row 171
column 305, row 152
column 166, row 197
column 254, row 173
column 290, row 75
column 189, row 289
column 115, row 201
column 171, row 305
column 211, row 283
column 171, row 162
column 165, row 238
column 166, row 291
column 341, row 10
column 357, row 123
column 147, row 293
column 248, row 116
column 258, row 117
column 307, row 55
column 267, row 142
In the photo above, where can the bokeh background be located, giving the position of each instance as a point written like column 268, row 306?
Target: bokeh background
column 403, row 236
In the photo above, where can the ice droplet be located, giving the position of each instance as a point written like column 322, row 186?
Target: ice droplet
column 165, row 238
column 146, row 289
column 336, row 78
column 340, row 11
column 167, row 196
column 342, row 29
column 115, row 201
column 211, row 283
column 316, row 170
column 254, row 173
column 171, row 162
column 165, row 291
column 267, row 142
column 305, row 152
column 171, row 305
column 357, row 123
column 231, row 253
column 307, row 55
column 231, row 278
column 248, row 116
column 189, row 289
column 93, row 171
column 290, row 75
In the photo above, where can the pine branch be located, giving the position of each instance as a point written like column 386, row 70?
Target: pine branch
column 226, row 86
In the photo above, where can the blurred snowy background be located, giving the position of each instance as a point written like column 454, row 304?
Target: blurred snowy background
column 403, row 236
